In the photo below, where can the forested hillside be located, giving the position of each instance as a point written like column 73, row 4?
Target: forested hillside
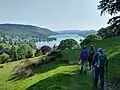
column 25, row 30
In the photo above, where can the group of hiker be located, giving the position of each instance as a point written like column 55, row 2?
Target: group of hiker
column 97, row 64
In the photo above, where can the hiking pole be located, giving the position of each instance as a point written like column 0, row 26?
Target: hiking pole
column 93, row 75
column 106, row 78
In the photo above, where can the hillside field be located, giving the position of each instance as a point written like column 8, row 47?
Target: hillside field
column 61, row 76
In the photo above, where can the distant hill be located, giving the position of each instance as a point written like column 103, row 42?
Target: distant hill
column 79, row 32
column 29, row 30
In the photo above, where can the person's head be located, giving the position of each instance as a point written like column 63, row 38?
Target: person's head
column 91, row 47
column 100, row 50
column 84, row 48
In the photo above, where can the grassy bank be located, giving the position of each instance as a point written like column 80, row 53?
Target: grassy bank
column 60, row 76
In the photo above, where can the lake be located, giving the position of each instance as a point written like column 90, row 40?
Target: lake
column 59, row 39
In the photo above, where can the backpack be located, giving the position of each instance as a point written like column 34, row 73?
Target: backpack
column 91, row 53
column 101, row 60
column 84, row 55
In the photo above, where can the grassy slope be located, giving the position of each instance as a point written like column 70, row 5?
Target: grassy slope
column 60, row 76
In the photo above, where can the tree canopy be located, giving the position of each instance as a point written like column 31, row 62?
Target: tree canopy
column 24, row 51
column 13, row 53
column 89, row 39
column 111, row 7
column 68, row 44
column 45, row 49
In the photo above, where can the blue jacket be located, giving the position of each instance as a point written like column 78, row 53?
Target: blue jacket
column 95, row 59
column 84, row 55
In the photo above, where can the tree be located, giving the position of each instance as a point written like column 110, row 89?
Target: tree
column 68, row 44
column 10, row 41
column 1, row 47
column 24, row 51
column 107, row 32
column 4, row 40
column 89, row 39
column 111, row 7
column 45, row 49
column 13, row 54
column 32, row 44
column 37, row 53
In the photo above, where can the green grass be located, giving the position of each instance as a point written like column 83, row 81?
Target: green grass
column 60, row 76
column 71, row 55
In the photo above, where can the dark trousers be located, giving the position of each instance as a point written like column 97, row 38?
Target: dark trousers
column 99, row 72
column 90, row 62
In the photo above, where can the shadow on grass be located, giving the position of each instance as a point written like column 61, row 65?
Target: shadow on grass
column 49, row 66
column 40, row 69
column 63, row 81
column 14, row 78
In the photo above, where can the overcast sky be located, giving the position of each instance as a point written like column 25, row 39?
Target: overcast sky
column 53, row 14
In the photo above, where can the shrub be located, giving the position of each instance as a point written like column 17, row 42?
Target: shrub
column 24, row 69
column 45, row 49
column 4, row 58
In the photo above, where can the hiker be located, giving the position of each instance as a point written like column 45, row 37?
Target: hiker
column 99, row 63
column 91, row 52
column 83, row 57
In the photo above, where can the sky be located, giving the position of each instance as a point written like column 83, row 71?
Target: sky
column 53, row 14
